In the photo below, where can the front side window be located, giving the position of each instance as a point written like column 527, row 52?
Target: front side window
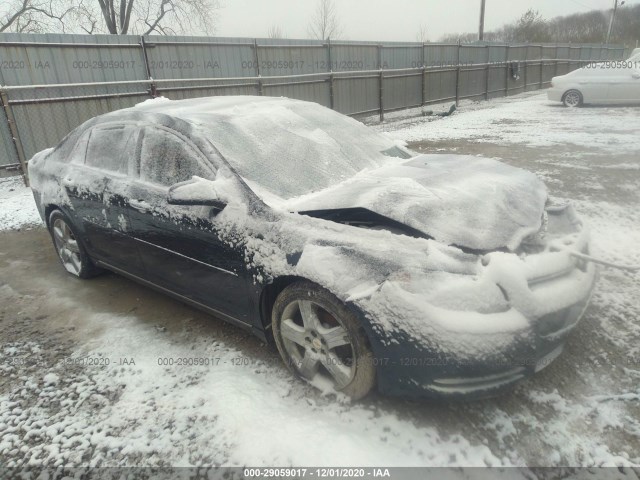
column 166, row 159
column 110, row 148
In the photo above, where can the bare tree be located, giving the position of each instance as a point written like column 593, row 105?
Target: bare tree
column 460, row 37
column 275, row 32
column 117, row 17
column 84, row 17
column 34, row 16
column 585, row 27
column 324, row 23
column 422, row 35
column 165, row 17
column 531, row 27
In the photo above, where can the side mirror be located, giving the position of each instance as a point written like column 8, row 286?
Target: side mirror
column 197, row 191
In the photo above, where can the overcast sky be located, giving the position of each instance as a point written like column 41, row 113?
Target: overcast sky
column 388, row 20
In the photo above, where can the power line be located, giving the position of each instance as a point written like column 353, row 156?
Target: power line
column 584, row 6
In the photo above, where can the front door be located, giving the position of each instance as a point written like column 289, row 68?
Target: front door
column 178, row 244
column 625, row 86
column 595, row 83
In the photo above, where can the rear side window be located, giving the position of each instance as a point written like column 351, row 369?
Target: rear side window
column 110, row 148
column 166, row 159
column 79, row 152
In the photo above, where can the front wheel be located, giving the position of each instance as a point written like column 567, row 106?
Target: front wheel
column 321, row 340
column 572, row 99
column 69, row 247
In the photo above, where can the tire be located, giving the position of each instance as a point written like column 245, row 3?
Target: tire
column 71, row 252
column 572, row 99
column 319, row 338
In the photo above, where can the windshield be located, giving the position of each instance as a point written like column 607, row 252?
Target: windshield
column 291, row 148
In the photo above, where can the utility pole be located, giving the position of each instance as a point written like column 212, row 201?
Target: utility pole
column 481, row 29
column 612, row 19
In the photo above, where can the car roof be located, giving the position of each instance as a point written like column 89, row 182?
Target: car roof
column 195, row 109
column 183, row 115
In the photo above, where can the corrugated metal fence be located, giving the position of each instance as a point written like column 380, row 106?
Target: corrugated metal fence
column 51, row 83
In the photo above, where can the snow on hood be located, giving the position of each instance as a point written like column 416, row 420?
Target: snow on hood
column 473, row 202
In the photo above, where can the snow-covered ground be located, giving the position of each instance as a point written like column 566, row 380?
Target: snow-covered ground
column 18, row 208
column 83, row 381
column 529, row 120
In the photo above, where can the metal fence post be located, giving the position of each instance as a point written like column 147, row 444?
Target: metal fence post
column 526, row 64
column 381, row 91
column 486, row 80
column 555, row 70
column 144, row 56
column 256, row 60
column 153, row 91
column 424, row 74
column 331, row 100
column 506, row 65
column 541, row 67
column 458, row 75
column 15, row 136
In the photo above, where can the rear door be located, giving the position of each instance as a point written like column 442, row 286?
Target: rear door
column 178, row 245
column 595, row 83
column 101, row 158
column 84, row 188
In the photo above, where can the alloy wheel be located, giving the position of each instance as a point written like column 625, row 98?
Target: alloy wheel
column 67, row 246
column 572, row 99
column 317, row 343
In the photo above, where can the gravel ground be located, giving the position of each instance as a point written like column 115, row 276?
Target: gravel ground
column 81, row 382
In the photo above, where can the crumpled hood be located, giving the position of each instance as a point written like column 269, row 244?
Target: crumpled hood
column 471, row 202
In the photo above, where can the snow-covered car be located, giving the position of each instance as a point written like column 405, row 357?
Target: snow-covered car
column 599, row 83
column 367, row 264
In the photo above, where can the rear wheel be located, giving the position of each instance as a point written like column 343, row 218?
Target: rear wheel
column 572, row 99
column 69, row 247
column 321, row 340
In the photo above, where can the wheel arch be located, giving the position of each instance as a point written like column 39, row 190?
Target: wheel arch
column 268, row 298
column 69, row 213
column 573, row 88
column 48, row 210
column 271, row 291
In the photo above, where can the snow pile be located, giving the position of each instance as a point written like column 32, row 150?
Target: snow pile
column 17, row 206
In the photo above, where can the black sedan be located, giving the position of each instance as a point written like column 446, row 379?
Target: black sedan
column 366, row 264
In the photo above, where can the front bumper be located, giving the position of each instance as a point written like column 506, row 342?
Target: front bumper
column 486, row 380
column 549, row 303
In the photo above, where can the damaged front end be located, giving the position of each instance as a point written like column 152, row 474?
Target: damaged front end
column 472, row 335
